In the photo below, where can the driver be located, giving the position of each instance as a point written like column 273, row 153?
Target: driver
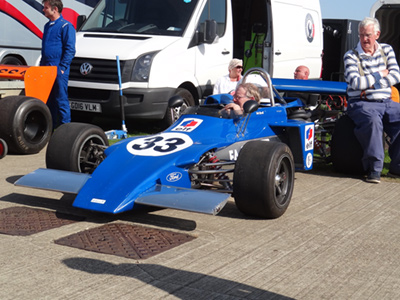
column 244, row 92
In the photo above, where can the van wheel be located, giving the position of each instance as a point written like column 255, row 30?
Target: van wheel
column 263, row 180
column 346, row 151
column 76, row 147
column 25, row 124
column 173, row 114
column 11, row 60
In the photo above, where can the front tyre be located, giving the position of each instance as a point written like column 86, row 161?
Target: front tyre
column 76, row 147
column 264, row 179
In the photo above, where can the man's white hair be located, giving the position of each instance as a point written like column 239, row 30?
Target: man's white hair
column 369, row 21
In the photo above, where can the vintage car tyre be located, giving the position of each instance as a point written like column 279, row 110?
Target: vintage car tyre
column 3, row 148
column 346, row 151
column 173, row 114
column 25, row 124
column 263, row 180
column 70, row 147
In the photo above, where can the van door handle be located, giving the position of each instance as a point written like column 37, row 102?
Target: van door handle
column 278, row 53
column 225, row 52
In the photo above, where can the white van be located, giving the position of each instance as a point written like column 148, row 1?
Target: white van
column 387, row 12
column 169, row 47
column 22, row 23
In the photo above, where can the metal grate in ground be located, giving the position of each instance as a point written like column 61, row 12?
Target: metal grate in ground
column 26, row 221
column 126, row 240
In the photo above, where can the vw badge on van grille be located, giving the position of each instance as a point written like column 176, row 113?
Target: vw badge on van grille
column 86, row 68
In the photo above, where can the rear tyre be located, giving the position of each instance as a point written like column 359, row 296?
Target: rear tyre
column 25, row 124
column 346, row 151
column 264, row 179
column 173, row 114
column 75, row 147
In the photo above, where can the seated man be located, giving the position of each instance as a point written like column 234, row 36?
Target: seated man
column 244, row 92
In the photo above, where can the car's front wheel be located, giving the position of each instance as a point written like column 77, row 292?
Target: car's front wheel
column 76, row 147
column 264, row 179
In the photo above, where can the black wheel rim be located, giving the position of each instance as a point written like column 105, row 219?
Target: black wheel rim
column 89, row 155
column 35, row 127
column 283, row 176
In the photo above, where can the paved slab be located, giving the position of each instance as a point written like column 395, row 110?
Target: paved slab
column 339, row 239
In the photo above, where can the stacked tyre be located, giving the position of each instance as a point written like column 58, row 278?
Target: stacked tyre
column 25, row 124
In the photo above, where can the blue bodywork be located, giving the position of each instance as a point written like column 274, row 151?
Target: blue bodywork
column 154, row 169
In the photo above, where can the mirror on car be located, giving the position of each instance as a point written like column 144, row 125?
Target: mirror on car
column 175, row 101
column 250, row 106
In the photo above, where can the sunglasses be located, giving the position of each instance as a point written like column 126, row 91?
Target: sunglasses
column 239, row 67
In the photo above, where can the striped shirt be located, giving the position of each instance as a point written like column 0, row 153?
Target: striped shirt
column 375, row 86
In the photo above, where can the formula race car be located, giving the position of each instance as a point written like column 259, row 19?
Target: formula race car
column 194, row 165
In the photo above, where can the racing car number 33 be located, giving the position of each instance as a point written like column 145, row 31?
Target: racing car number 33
column 158, row 145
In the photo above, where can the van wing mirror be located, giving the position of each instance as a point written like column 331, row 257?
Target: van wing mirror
column 79, row 21
column 210, row 31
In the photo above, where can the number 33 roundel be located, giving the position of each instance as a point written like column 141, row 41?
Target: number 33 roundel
column 158, row 145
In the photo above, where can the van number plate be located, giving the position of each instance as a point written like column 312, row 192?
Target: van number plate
column 84, row 106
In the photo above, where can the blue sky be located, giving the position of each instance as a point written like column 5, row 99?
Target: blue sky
column 346, row 9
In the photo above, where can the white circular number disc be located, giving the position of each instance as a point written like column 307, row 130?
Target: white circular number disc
column 160, row 144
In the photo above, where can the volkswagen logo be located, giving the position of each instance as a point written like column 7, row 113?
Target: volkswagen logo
column 86, row 68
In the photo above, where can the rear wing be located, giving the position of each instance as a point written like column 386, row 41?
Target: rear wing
column 310, row 86
column 38, row 80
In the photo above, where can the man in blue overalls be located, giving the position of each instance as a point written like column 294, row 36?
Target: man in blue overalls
column 58, row 49
column 370, row 70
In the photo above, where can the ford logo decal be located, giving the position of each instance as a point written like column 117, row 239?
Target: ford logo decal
column 173, row 177
column 86, row 68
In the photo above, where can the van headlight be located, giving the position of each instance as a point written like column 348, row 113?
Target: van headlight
column 141, row 70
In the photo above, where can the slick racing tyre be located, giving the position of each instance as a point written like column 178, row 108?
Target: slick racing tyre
column 25, row 124
column 76, row 147
column 264, row 179
column 346, row 151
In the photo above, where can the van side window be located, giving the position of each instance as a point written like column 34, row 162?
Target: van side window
column 214, row 10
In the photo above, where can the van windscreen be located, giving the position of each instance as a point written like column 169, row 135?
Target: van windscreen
column 159, row 17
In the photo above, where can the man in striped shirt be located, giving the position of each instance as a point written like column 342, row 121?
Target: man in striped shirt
column 370, row 71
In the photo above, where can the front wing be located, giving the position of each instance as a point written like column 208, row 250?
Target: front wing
column 201, row 201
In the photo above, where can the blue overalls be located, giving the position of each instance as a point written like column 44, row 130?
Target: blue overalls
column 58, row 49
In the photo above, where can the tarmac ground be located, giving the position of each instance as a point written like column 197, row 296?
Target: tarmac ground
column 339, row 239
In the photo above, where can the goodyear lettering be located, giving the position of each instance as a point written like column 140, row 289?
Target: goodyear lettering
column 233, row 154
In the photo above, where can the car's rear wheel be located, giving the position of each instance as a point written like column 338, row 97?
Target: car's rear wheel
column 263, row 181
column 346, row 151
column 76, row 147
column 25, row 124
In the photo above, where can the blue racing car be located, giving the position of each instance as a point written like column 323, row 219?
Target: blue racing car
column 196, row 164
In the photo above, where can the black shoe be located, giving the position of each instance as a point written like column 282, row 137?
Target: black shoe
column 373, row 177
